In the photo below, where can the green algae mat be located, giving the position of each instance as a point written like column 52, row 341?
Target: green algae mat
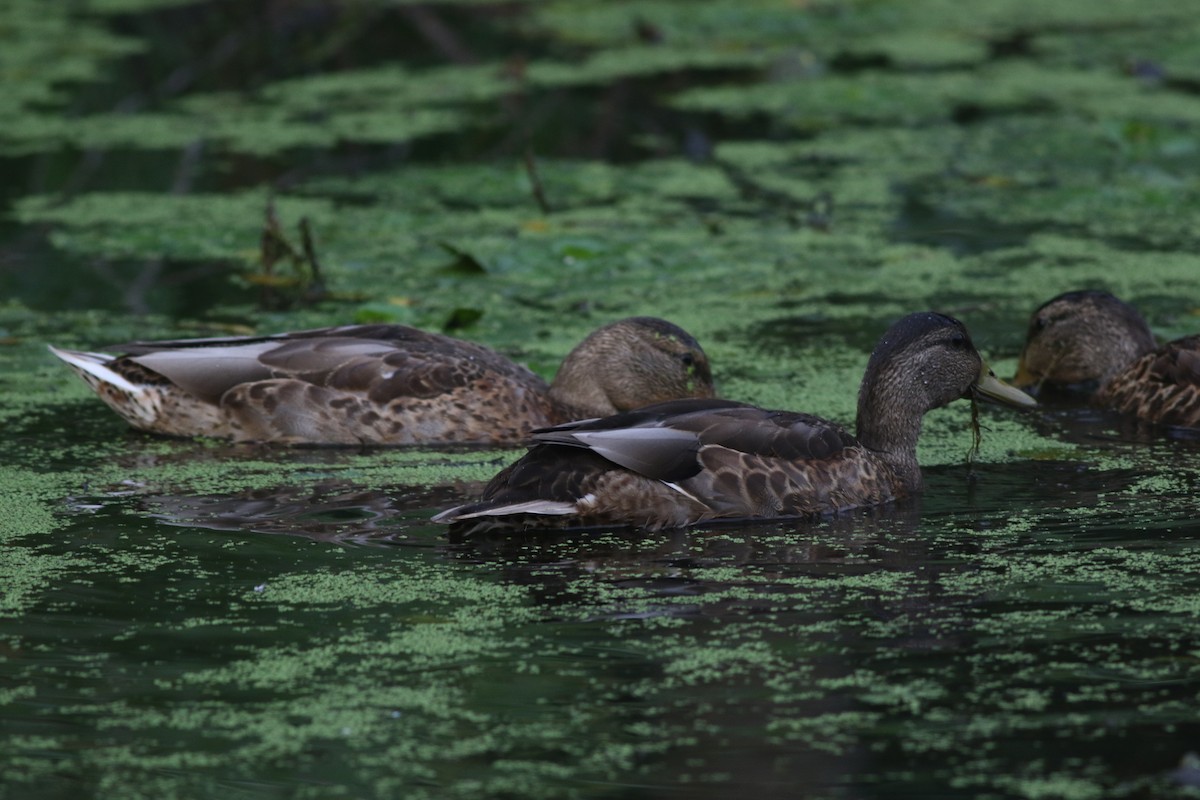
column 187, row 619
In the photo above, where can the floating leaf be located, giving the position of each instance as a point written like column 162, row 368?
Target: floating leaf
column 463, row 262
column 381, row 312
column 462, row 318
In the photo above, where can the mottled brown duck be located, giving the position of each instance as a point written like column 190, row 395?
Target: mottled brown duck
column 1090, row 344
column 385, row 384
column 684, row 462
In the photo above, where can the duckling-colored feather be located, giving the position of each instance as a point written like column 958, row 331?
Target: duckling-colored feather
column 1091, row 344
column 385, row 384
column 1161, row 386
column 687, row 461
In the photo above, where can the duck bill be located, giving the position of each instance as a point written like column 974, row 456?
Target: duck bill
column 990, row 387
column 1024, row 378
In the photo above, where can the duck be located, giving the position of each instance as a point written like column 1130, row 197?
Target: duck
column 1089, row 344
column 690, row 461
column 385, row 384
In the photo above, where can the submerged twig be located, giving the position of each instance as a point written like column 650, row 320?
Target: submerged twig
column 316, row 285
column 539, row 193
column 439, row 34
column 271, row 248
column 307, row 284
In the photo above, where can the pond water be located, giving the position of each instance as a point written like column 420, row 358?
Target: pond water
column 188, row 619
column 1023, row 630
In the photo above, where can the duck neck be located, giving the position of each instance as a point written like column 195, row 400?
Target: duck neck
column 890, row 430
column 578, row 393
column 1119, row 352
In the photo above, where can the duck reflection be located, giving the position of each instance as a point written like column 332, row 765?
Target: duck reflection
column 781, row 657
column 839, row 540
column 861, row 541
column 785, row 658
column 329, row 511
column 1060, row 417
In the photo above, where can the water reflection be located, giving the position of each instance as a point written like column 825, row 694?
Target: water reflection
column 978, row 497
column 328, row 511
column 948, row 638
column 1065, row 418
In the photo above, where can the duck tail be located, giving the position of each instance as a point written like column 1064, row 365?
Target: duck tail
column 553, row 508
column 94, row 369
column 137, row 404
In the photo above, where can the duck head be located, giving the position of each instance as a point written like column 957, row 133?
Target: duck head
column 1080, row 340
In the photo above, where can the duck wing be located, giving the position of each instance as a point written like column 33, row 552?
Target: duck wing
column 1162, row 386
column 664, row 441
column 378, row 331
column 204, row 372
column 382, row 370
column 1179, row 362
column 379, row 362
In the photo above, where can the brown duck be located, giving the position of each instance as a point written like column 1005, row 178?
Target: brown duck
column 1092, row 344
column 385, row 384
column 688, row 461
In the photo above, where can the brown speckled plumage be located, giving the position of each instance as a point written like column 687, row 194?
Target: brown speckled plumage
column 1091, row 344
column 386, row 384
column 684, row 462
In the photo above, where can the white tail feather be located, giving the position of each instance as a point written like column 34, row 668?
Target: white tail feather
column 94, row 364
column 546, row 507
column 684, row 492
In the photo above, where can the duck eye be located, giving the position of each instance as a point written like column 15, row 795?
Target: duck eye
column 688, row 360
column 958, row 341
column 1039, row 324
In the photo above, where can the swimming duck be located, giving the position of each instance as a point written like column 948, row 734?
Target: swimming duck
column 1093, row 344
column 679, row 463
column 385, row 384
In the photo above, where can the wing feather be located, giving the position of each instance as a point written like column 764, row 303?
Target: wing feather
column 662, row 441
column 665, row 454
column 384, row 362
column 209, row 372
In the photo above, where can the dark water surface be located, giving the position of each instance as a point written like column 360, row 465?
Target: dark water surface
column 1022, row 630
column 783, row 179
